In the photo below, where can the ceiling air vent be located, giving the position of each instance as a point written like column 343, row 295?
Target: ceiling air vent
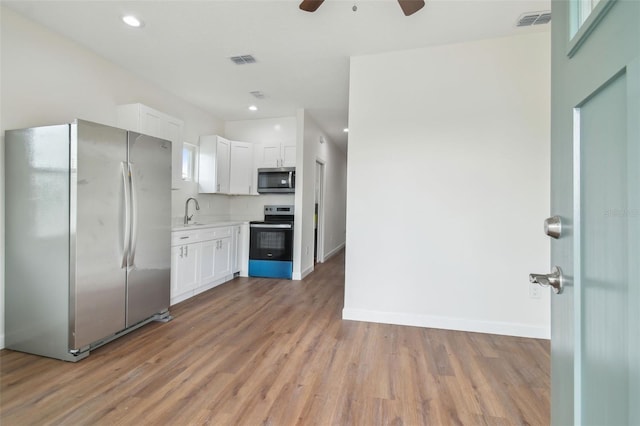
column 534, row 18
column 257, row 94
column 243, row 59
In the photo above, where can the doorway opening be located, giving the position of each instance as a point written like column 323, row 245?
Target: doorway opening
column 318, row 216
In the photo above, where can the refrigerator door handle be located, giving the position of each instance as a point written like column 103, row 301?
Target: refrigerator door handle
column 134, row 216
column 127, row 214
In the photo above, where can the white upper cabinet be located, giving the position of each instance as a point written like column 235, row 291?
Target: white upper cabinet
column 276, row 154
column 268, row 155
column 151, row 121
column 288, row 150
column 223, row 153
column 143, row 119
column 226, row 167
column 173, row 129
column 241, row 168
column 213, row 170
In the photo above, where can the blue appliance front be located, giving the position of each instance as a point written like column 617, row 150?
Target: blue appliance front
column 270, row 269
column 271, row 246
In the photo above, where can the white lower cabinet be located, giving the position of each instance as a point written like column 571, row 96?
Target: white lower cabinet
column 202, row 259
column 235, row 248
column 184, row 269
column 223, row 257
column 207, row 265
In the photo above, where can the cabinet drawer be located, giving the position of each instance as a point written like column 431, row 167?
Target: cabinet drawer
column 215, row 233
column 180, row 238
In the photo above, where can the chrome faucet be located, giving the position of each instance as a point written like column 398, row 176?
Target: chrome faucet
column 187, row 218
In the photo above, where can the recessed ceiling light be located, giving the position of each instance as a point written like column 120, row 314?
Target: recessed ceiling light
column 253, row 108
column 346, row 130
column 132, row 21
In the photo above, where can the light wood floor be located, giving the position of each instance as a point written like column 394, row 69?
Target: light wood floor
column 270, row 352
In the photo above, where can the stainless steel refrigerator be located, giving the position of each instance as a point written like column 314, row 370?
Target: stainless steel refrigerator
column 87, row 220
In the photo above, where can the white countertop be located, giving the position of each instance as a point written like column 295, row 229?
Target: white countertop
column 201, row 225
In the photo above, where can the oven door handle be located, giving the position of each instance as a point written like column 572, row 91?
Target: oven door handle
column 277, row 226
column 290, row 180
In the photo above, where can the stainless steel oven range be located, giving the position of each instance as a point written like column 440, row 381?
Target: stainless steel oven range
column 271, row 243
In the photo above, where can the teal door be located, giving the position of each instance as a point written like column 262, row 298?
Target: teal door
column 595, row 166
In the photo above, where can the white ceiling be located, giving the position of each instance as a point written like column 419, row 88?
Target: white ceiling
column 302, row 58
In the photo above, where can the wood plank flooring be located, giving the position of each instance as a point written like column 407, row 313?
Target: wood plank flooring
column 272, row 352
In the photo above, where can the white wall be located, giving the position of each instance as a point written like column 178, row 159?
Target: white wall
column 448, row 185
column 48, row 79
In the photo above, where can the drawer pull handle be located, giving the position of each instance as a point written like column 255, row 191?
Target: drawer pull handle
column 184, row 238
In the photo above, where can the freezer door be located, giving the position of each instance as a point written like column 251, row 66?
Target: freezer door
column 148, row 282
column 37, row 241
column 98, row 275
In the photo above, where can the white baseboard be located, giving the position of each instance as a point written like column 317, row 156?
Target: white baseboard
column 333, row 252
column 307, row 271
column 300, row 276
column 446, row 323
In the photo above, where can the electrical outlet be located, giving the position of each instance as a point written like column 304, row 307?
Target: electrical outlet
column 306, row 250
column 535, row 291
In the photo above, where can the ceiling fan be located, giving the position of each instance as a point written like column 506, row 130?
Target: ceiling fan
column 409, row 7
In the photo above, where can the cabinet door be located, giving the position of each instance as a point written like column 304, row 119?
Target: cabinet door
column 241, row 168
column 175, row 271
column 223, row 155
column 173, row 132
column 151, row 122
column 223, row 257
column 268, row 155
column 207, row 261
column 207, row 168
column 235, row 249
column 184, row 269
column 288, row 154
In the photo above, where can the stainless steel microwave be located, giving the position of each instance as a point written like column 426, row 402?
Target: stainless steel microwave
column 278, row 180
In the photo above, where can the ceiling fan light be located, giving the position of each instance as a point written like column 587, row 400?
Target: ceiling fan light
column 409, row 7
column 310, row 5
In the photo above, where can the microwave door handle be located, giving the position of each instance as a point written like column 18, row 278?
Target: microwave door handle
column 290, row 179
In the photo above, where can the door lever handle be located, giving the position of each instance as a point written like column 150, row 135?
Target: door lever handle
column 555, row 279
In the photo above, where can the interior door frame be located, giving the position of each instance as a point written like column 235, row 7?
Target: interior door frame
column 319, row 188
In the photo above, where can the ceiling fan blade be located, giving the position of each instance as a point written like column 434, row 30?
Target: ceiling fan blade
column 409, row 7
column 310, row 5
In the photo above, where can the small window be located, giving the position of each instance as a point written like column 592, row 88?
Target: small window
column 585, row 7
column 189, row 152
column 584, row 16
